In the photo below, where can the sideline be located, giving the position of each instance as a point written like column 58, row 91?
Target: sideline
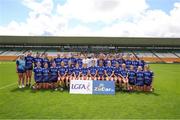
column 7, row 86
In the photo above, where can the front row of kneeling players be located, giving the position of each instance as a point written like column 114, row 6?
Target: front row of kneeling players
column 59, row 76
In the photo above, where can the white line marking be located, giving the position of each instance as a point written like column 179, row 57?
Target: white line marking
column 7, row 86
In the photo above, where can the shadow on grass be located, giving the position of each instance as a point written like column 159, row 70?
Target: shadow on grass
column 155, row 93
column 46, row 91
column 36, row 91
column 20, row 89
column 141, row 92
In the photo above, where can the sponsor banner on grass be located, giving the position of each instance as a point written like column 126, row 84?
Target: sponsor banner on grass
column 81, row 86
column 103, row 87
column 92, row 87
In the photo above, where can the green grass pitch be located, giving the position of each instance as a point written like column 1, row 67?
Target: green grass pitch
column 164, row 103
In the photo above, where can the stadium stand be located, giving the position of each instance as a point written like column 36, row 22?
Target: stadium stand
column 165, row 50
column 177, row 53
column 148, row 56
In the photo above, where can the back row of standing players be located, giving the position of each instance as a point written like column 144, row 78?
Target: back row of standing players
column 125, row 70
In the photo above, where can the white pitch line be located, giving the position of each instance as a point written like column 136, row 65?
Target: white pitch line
column 7, row 86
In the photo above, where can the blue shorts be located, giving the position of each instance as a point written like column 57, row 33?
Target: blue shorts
column 93, row 75
column 140, row 83
column 38, row 79
column 131, row 82
column 45, row 79
column 101, row 75
column 147, row 82
column 53, row 79
column 29, row 67
column 21, row 70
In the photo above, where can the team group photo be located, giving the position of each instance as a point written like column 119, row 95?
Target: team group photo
column 44, row 72
column 89, row 59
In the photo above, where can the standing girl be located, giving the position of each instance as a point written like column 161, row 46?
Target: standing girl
column 21, row 70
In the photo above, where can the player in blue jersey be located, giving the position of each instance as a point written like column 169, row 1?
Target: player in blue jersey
column 76, row 72
column 38, row 76
column 139, row 79
column 69, row 71
column 120, row 59
column 117, row 72
column 62, row 72
column 73, row 60
column 141, row 63
column 124, row 76
column 29, row 68
column 38, row 59
column 79, row 60
column 109, row 71
column 65, row 59
column 45, row 76
column 113, row 61
column 21, row 71
column 53, row 70
column 84, row 72
column 101, row 60
column 148, row 78
column 134, row 63
column 58, row 60
column 45, row 59
column 132, row 78
column 93, row 71
column 106, row 60
column 128, row 62
column 100, row 71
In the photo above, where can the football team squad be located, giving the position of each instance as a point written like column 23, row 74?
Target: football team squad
column 127, row 71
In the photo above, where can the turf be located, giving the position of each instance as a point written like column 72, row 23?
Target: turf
column 164, row 103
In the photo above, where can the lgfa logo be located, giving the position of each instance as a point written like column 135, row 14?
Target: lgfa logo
column 81, row 86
